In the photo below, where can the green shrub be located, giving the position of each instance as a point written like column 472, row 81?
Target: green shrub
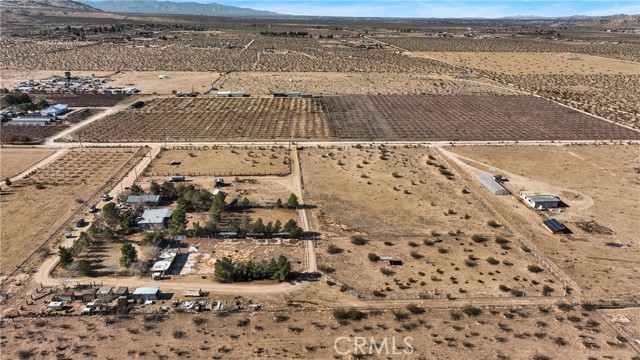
column 535, row 268
column 358, row 240
column 373, row 257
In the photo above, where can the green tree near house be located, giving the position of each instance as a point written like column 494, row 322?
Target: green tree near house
column 155, row 188
column 292, row 201
column 66, row 256
column 85, row 268
column 110, row 215
column 177, row 221
column 224, row 270
column 129, row 255
column 136, row 190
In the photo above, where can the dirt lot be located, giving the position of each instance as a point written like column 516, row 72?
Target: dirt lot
column 407, row 209
column 513, row 333
column 64, row 185
column 205, row 119
column 16, row 160
column 199, row 161
column 149, row 82
column 321, row 83
column 11, row 77
column 520, row 63
column 459, row 118
column 576, row 174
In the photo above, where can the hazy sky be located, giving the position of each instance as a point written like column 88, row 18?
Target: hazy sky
column 440, row 9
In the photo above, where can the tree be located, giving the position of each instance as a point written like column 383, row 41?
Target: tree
column 67, row 75
column 155, row 188
column 43, row 104
column 217, row 206
column 129, row 255
column 293, row 229
column 257, row 226
column 7, row 181
column 17, row 99
column 66, row 256
column 245, row 223
column 168, row 190
column 283, row 269
column 279, row 203
column 136, row 190
column 110, row 215
column 224, row 270
column 277, row 226
column 128, row 221
column 177, row 221
column 246, row 203
column 107, row 234
column 154, row 238
column 85, row 268
column 292, row 202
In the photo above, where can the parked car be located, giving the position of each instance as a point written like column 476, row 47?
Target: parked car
column 93, row 209
column 68, row 235
column 80, row 223
column 120, row 206
column 105, row 197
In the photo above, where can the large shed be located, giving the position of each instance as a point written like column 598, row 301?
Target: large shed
column 491, row 184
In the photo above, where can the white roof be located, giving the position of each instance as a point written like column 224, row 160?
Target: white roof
column 155, row 216
column 164, row 260
column 146, row 291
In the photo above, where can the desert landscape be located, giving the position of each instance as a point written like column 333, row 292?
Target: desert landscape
column 260, row 185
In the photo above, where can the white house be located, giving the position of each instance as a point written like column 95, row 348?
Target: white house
column 540, row 201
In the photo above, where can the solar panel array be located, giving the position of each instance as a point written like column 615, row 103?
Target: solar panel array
column 554, row 225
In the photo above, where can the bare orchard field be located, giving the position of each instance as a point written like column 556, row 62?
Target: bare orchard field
column 576, row 174
column 408, row 209
column 322, row 83
column 53, row 194
column 15, row 161
column 206, row 119
column 309, row 333
column 210, row 161
column 463, row 118
column 523, row 63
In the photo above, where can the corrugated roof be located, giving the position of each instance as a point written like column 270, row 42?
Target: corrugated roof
column 544, row 198
column 554, row 225
column 490, row 183
column 136, row 199
column 155, row 216
column 146, row 291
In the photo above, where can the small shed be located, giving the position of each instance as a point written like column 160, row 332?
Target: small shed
column 554, row 226
column 56, row 305
column 105, row 293
column 391, row 260
column 540, row 201
column 177, row 178
column 89, row 295
column 491, row 184
column 67, row 296
column 147, row 293
column 122, row 291
column 193, row 293
column 146, row 200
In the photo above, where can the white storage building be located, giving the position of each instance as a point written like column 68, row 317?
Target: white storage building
column 491, row 184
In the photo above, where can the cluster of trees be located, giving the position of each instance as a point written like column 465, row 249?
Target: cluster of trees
column 129, row 255
column 24, row 102
column 12, row 138
column 122, row 222
column 228, row 271
column 67, row 254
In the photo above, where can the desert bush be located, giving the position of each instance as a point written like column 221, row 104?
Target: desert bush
column 387, row 271
column 379, row 293
column 373, row 257
column 535, row 268
column 504, row 288
column 415, row 309
column 358, row 240
column 177, row 334
column 244, row 322
column 280, row 318
column 199, row 321
column 479, row 238
column 326, row 269
column 416, row 255
column 413, row 244
column 501, row 240
column 470, row 263
column 494, row 224
column 472, row 310
column 443, row 250
column 333, row 249
column 349, row 314
column 493, row 261
column 388, row 243
column 400, row 315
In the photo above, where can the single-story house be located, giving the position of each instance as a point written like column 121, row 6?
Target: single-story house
column 56, row 305
column 55, row 110
column 144, row 200
column 105, row 293
column 540, row 201
column 164, row 261
column 147, row 293
column 154, row 219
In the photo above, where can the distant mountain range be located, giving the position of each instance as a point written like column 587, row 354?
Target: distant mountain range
column 177, row 8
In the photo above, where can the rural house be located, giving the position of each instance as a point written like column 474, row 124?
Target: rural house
column 154, row 219
column 540, row 201
column 144, row 200
column 55, row 110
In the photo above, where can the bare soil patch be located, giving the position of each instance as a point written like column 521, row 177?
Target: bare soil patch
column 15, row 161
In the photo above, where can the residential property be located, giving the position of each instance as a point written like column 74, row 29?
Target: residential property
column 554, row 226
column 55, row 110
column 66, row 296
column 146, row 293
column 122, row 291
column 491, row 184
column 154, row 219
column 540, row 201
column 144, row 200
column 163, row 263
column 88, row 295
column 224, row 94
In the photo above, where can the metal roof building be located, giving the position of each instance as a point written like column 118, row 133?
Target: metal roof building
column 150, row 200
column 154, row 219
column 147, row 293
column 554, row 226
column 491, row 184
column 55, row 110
column 540, row 201
column 31, row 120
column 164, row 261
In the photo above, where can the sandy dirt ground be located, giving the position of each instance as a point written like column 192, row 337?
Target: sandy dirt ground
column 312, row 332
column 329, row 83
column 518, row 63
column 215, row 161
column 149, row 82
column 67, row 184
column 576, row 174
column 15, row 161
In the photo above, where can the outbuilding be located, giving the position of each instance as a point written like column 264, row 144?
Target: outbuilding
column 55, row 110
column 491, row 184
column 88, row 295
column 540, row 201
column 105, row 293
column 145, row 200
column 122, row 291
column 554, row 226
column 67, row 296
column 147, row 293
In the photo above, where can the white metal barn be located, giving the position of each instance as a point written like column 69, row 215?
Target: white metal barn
column 491, row 184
